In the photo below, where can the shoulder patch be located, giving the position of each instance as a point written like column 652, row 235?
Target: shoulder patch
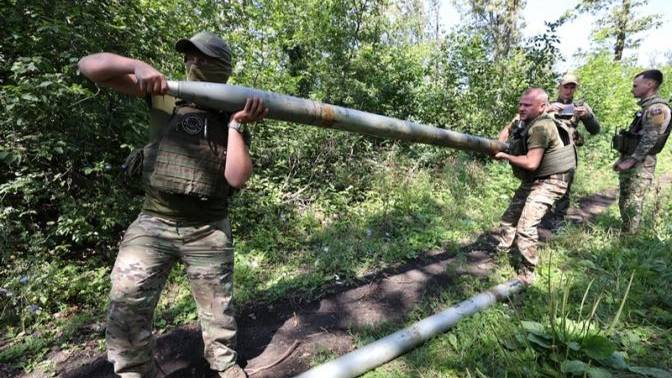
column 656, row 115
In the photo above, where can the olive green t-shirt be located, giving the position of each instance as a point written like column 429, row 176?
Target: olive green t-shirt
column 544, row 134
column 179, row 207
column 183, row 208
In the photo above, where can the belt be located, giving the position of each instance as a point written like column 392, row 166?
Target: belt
column 564, row 176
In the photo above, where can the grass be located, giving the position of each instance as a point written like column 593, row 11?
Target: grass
column 590, row 264
column 300, row 246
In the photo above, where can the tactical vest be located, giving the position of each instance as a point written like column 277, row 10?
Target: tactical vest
column 626, row 140
column 558, row 161
column 187, row 153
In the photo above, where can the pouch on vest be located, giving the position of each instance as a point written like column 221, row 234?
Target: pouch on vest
column 577, row 137
column 625, row 142
column 190, row 155
column 517, row 144
column 627, row 139
column 132, row 166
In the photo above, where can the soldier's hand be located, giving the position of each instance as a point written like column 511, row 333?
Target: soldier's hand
column 500, row 156
column 624, row 165
column 149, row 80
column 253, row 111
column 504, row 135
column 580, row 111
column 613, row 166
column 555, row 107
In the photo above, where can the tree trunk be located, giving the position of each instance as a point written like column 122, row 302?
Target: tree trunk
column 621, row 29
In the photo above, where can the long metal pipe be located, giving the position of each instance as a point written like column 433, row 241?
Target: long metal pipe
column 381, row 351
column 295, row 109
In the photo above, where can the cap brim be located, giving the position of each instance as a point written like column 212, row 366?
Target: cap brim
column 569, row 82
column 184, row 45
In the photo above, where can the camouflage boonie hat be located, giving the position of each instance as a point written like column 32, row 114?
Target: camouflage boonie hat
column 569, row 78
column 207, row 43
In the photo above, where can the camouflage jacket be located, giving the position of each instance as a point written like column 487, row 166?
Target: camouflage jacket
column 589, row 121
column 654, row 121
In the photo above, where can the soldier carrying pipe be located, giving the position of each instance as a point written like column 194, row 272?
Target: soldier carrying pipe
column 543, row 158
column 195, row 159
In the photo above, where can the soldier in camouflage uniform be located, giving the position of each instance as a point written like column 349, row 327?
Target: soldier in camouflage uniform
column 638, row 146
column 542, row 157
column 570, row 112
column 194, row 160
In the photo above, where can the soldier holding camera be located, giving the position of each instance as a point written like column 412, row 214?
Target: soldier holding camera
column 571, row 113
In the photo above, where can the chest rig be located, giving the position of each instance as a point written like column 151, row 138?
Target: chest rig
column 187, row 153
column 626, row 140
column 558, row 161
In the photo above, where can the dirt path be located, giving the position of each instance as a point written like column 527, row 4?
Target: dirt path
column 295, row 332
column 300, row 330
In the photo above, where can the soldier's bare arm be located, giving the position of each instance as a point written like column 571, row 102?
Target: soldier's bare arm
column 238, row 168
column 125, row 75
column 529, row 161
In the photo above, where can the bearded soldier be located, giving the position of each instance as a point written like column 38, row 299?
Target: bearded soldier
column 638, row 146
column 571, row 113
column 195, row 159
column 543, row 158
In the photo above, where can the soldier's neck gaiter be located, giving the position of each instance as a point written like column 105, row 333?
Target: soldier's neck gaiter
column 214, row 71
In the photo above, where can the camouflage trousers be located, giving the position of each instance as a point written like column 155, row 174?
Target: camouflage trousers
column 150, row 248
column 562, row 205
column 633, row 185
column 531, row 201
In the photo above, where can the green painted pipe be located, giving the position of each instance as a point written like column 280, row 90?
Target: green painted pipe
column 294, row 109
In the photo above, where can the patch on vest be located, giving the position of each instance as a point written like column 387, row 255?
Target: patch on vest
column 191, row 124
